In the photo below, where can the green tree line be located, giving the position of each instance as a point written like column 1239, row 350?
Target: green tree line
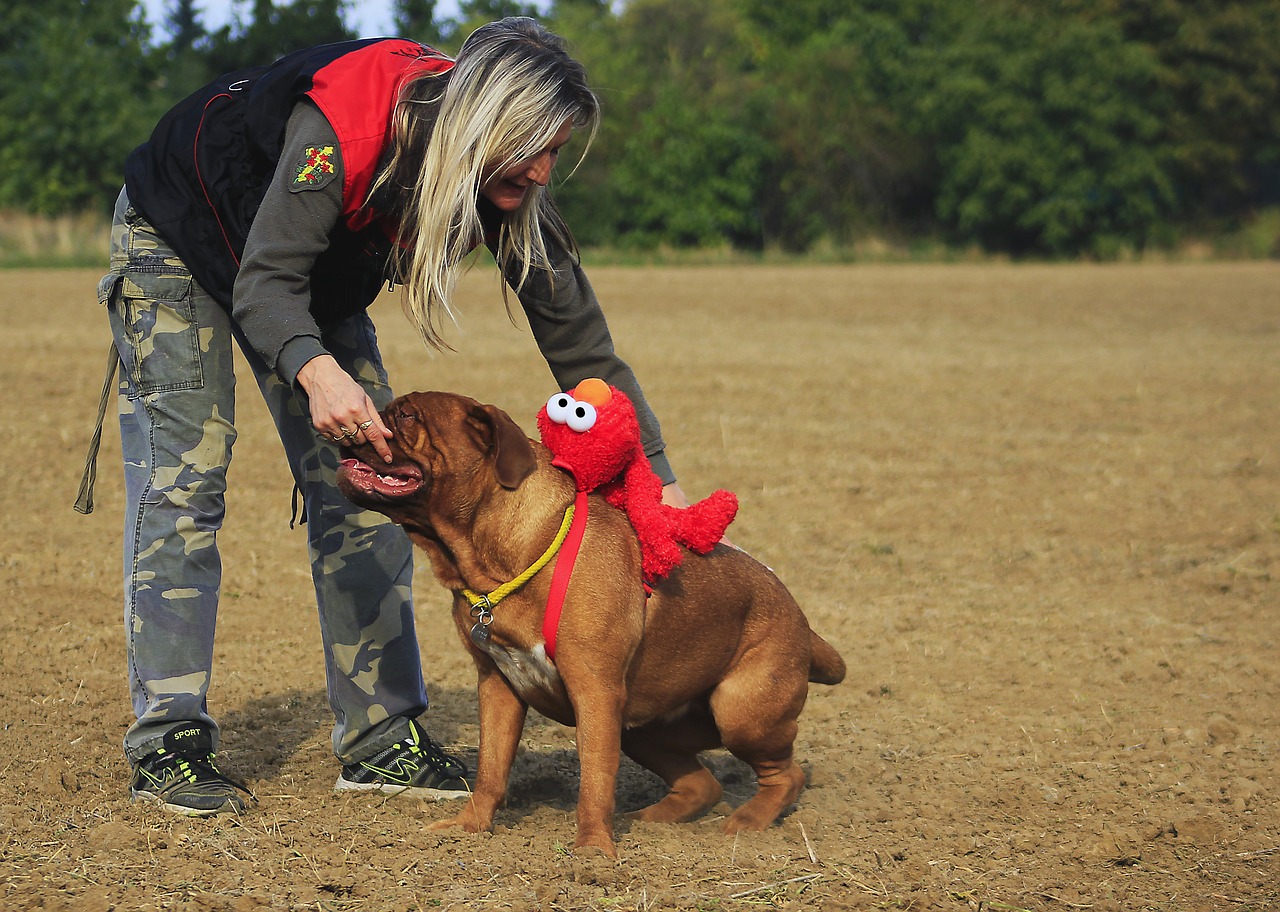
column 1029, row 127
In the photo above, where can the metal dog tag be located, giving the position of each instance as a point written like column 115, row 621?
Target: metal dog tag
column 480, row 635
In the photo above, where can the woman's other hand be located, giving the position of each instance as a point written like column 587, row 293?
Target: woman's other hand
column 673, row 496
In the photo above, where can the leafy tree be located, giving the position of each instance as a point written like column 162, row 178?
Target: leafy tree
column 185, row 63
column 790, row 25
column 275, row 30
column 185, row 29
column 74, row 101
column 1219, row 65
column 475, row 13
column 1045, row 130
column 679, row 159
column 416, row 19
column 837, row 101
column 1076, row 126
column 586, row 192
column 689, row 177
column 492, row 10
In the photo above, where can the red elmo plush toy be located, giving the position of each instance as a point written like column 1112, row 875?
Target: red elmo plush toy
column 592, row 432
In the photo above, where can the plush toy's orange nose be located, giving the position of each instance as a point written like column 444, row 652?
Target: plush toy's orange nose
column 594, row 391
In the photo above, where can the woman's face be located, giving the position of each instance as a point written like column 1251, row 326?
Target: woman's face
column 506, row 189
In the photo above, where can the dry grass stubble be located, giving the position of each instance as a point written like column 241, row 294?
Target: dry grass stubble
column 1035, row 507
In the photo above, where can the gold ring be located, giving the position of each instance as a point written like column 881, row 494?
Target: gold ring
column 366, row 425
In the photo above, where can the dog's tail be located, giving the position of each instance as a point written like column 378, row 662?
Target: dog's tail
column 825, row 664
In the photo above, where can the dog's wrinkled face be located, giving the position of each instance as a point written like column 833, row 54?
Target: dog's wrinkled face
column 366, row 480
column 442, row 442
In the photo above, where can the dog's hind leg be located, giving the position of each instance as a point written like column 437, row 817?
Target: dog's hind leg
column 671, row 751
column 780, row 784
column 756, row 713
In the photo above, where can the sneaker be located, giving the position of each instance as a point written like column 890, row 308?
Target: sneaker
column 417, row 767
column 182, row 778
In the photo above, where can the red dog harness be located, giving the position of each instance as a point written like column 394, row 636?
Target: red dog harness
column 564, row 549
column 564, row 570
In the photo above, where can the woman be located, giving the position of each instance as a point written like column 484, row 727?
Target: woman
column 270, row 207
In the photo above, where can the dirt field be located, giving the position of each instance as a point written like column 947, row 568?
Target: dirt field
column 1036, row 508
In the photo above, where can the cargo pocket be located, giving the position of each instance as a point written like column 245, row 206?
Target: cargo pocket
column 154, row 315
column 107, row 287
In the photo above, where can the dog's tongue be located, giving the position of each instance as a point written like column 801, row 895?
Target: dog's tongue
column 399, row 482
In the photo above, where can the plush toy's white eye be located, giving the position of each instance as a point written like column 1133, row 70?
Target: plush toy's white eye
column 559, row 406
column 582, row 417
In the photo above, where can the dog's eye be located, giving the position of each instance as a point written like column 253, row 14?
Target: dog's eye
column 559, row 406
column 582, row 417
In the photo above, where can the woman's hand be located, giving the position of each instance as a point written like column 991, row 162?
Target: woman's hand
column 673, row 496
column 341, row 411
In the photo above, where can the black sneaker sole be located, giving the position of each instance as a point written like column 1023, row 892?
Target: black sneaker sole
column 412, row 791
column 230, row 806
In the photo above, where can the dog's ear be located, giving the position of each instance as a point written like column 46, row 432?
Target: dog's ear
column 513, row 459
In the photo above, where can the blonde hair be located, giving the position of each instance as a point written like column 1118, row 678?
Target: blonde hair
column 512, row 88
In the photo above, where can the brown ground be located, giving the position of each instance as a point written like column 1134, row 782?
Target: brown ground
column 1036, row 508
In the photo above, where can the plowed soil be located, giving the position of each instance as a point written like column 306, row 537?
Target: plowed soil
column 1037, row 508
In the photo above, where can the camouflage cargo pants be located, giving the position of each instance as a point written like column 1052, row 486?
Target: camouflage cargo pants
column 177, row 427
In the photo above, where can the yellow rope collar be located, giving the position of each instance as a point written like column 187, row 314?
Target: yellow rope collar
column 482, row 605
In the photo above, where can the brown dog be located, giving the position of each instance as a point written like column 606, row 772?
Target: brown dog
column 720, row 655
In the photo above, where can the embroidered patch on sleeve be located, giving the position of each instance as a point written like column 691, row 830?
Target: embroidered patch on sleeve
column 314, row 169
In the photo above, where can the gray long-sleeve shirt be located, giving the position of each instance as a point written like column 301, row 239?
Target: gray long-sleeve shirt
column 271, row 300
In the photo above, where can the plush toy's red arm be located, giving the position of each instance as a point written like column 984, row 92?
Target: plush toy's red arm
column 642, row 501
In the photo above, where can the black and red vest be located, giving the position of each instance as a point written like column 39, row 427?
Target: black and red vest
column 201, row 176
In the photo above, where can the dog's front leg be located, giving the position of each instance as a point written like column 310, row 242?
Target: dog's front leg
column 599, row 717
column 502, row 715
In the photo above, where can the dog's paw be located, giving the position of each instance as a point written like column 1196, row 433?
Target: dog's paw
column 595, row 849
column 464, row 821
column 696, row 795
